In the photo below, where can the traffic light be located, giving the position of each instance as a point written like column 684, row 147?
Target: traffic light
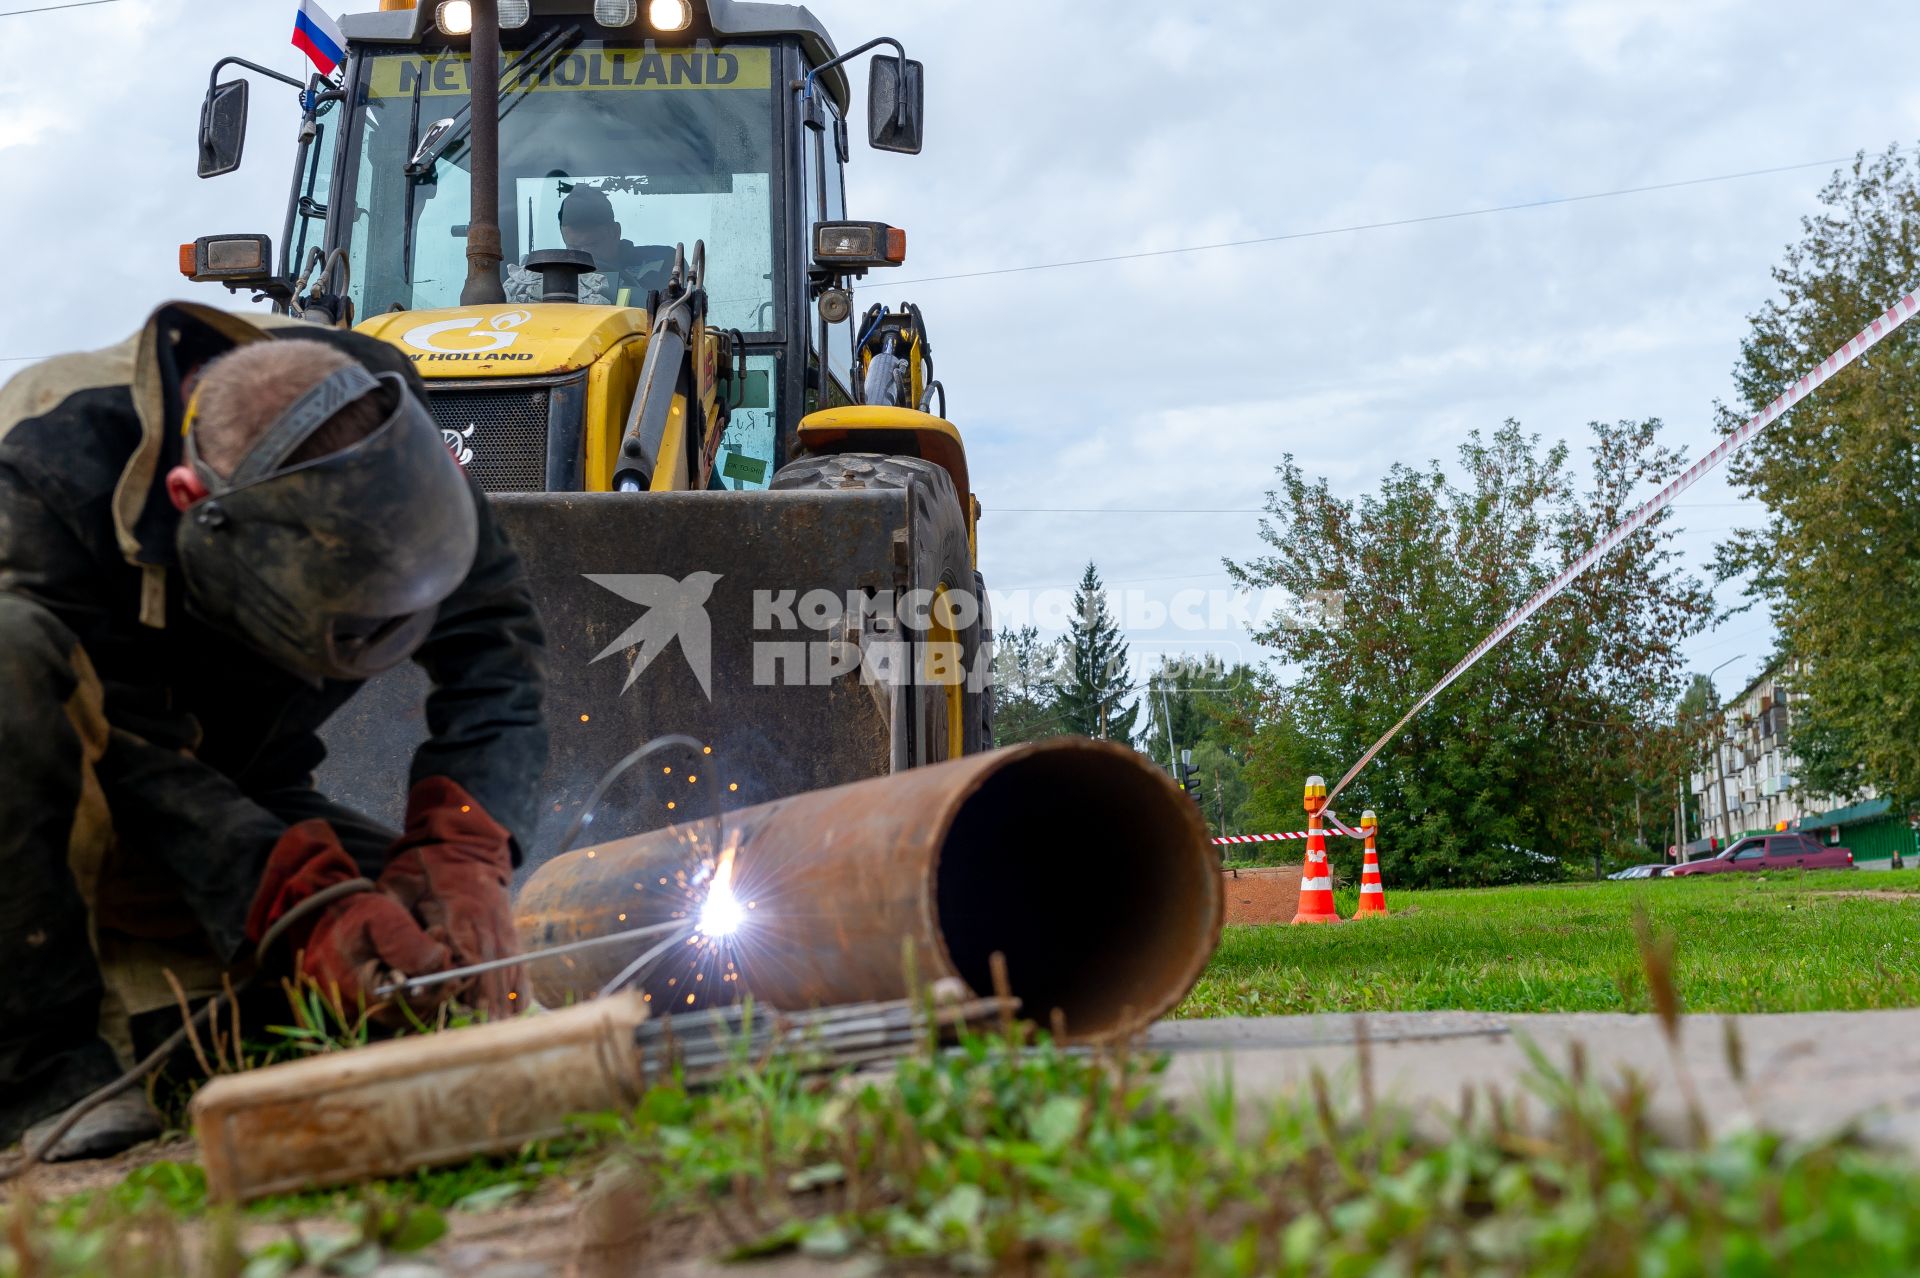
column 1187, row 775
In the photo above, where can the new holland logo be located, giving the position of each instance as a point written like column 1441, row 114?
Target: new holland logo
column 675, row 610
column 463, row 337
column 459, row 442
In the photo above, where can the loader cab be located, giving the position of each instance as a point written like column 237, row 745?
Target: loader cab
column 615, row 430
column 698, row 136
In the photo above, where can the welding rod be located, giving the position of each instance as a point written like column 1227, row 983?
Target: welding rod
column 832, row 1037
column 552, row 951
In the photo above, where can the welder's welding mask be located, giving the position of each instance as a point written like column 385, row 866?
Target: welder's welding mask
column 333, row 568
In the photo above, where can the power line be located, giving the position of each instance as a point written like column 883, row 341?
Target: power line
column 1373, row 226
column 1240, row 510
column 1124, row 581
column 49, row 8
column 1225, row 244
column 1122, row 510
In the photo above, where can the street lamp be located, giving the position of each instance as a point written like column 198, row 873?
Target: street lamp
column 1726, row 813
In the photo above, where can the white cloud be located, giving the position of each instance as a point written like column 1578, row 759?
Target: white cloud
column 1082, row 129
column 25, row 123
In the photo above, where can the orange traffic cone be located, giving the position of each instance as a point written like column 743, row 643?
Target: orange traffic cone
column 1373, row 898
column 1316, row 881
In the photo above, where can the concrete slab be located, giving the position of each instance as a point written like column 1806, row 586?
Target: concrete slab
column 1807, row 1074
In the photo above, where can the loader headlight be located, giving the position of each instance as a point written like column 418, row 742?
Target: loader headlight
column 669, row 15
column 454, row 17
column 514, row 14
column 858, row 244
column 228, row 259
column 615, row 13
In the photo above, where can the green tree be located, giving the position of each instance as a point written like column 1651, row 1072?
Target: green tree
column 1194, row 690
column 1224, row 789
column 1026, row 679
column 1096, row 686
column 1837, row 559
column 1528, row 767
column 1211, row 707
column 1695, row 721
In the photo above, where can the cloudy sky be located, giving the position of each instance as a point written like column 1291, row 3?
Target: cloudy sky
column 1096, row 397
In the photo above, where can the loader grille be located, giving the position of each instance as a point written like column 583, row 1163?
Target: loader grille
column 500, row 434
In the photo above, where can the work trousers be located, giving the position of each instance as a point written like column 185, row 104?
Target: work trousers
column 120, row 862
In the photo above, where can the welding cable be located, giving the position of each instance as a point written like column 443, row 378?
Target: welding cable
column 614, row 774
column 158, row 1056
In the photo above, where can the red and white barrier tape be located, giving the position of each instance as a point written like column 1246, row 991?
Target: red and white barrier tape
column 1336, row 831
column 1896, row 315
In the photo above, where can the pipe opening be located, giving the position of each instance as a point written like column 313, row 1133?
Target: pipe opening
column 1096, row 884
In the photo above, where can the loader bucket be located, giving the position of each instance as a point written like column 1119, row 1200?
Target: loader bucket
column 630, row 620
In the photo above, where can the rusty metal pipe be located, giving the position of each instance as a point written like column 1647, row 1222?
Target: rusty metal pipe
column 1078, row 860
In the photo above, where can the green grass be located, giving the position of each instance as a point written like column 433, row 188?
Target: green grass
column 1782, row 943
column 986, row 1160
column 990, row 1160
column 1008, row 1155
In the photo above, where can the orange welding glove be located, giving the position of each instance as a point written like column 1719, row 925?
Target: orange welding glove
column 451, row 867
column 356, row 944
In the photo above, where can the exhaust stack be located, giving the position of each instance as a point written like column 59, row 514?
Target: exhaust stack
column 1078, row 860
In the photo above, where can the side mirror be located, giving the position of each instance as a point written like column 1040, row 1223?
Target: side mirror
column 223, row 128
column 421, row 162
column 896, row 104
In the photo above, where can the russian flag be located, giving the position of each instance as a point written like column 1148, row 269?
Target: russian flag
column 318, row 36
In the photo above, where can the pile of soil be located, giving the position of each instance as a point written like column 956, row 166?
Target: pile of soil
column 1270, row 894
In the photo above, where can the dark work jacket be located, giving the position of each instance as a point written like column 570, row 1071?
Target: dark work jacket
column 206, row 731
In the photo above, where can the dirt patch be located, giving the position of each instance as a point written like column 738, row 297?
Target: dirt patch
column 1266, row 895
column 58, row 1180
column 1873, row 894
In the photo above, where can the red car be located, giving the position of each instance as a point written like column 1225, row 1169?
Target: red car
column 1771, row 852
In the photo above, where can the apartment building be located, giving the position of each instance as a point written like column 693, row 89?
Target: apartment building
column 1747, row 781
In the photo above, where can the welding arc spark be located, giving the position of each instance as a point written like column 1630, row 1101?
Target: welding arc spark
column 721, row 914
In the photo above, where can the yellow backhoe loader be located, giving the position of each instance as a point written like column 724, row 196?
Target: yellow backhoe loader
column 611, row 235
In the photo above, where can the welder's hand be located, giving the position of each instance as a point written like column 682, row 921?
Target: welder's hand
column 451, row 867
column 307, row 859
column 362, row 943
column 353, row 946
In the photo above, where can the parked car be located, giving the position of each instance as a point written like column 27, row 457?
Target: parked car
column 1771, row 852
column 1653, row 871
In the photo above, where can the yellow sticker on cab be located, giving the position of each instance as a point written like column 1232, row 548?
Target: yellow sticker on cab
column 601, row 69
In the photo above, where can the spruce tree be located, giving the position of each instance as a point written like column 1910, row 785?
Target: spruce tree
column 1091, row 702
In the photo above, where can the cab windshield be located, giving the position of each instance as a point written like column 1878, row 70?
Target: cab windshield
column 613, row 149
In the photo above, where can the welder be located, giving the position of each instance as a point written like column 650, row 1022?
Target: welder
column 210, row 536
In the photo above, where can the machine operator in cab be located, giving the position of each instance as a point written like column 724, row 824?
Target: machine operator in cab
column 210, row 536
column 624, row 273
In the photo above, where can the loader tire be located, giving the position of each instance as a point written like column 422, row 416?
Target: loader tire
column 941, row 559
